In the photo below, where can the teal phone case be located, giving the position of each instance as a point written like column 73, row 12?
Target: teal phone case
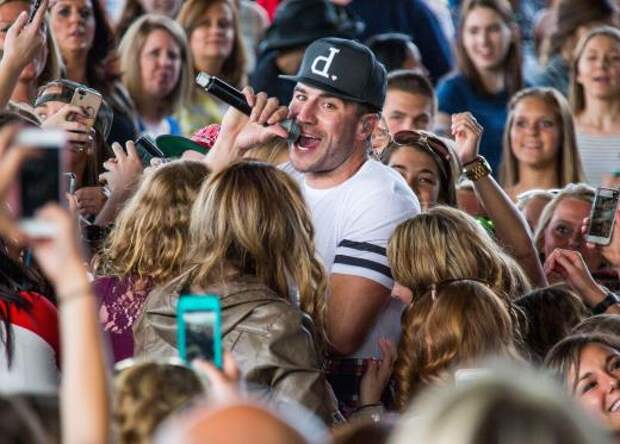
column 199, row 303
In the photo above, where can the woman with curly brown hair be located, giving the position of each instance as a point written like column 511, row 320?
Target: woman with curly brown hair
column 453, row 324
column 146, row 247
column 251, row 243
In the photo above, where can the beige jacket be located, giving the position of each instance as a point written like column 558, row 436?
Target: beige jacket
column 267, row 335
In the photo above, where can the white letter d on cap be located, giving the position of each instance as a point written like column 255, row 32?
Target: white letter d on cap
column 324, row 72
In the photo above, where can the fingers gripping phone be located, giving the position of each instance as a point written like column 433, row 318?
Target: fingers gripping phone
column 89, row 101
column 147, row 150
column 41, row 179
column 199, row 331
column 603, row 215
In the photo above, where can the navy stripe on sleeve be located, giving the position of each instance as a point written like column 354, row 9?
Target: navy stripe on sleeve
column 362, row 246
column 363, row 263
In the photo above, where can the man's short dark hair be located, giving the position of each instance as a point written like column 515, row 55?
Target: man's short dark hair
column 412, row 82
column 391, row 49
column 364, row 108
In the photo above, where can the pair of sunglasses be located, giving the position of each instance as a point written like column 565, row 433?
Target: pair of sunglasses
column 423, row 140
column 429, row 143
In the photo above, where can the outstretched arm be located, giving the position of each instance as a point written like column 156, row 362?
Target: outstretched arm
column 510, row 226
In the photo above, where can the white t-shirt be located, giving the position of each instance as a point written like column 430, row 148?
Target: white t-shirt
column 600, row 156
column 353, row 223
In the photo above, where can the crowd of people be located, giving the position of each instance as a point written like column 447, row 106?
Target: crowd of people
column 411, row 266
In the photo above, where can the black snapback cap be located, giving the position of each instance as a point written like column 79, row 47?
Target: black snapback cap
column 344, row 68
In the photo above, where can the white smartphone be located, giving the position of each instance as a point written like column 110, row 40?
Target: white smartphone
column 41, row 177
column 89, row 101
column 602, row 216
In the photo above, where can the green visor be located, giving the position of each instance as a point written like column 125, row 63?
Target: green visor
column 175, row 146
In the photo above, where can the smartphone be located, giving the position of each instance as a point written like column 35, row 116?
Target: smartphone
column 69, row 182
column 89, row 101
column 41, row 179
column 199, row 331
column 33, row 10
column 147, row 150
column 603, row 216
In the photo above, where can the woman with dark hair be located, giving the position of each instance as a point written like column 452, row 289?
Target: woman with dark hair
column 428, row 163
column 489, row 72
column 589, row 365
column 549, row 314
column 29, row 332
column 88, row 149
column 87, row 46
column 28, row 321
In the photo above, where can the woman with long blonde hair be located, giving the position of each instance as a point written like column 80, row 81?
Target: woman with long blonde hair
column 215, row 41
column 453, row 324
column 146, row 247
column 157, row 71
column 251, row 244
column 559, row 225
column 539, row 148
column 445, row 243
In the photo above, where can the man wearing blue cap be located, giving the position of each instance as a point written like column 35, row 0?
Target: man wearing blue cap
column 356, row 203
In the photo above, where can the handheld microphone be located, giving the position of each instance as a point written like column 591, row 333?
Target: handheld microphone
column 235, row 98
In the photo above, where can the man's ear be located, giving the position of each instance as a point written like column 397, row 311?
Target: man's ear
column 368, row 124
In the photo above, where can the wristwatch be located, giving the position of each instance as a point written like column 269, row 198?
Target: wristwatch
column 477, row 169
column 602, row 306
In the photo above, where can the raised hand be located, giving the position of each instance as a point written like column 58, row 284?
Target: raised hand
column 467, row 133
column 378, row 374
column 69, row 118
column 123, row 170
column 260, row 126
column 23, row 40
column 569, row 264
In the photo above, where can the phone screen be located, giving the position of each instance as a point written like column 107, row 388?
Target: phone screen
column 200, row 335
column 40, row 179
column 603, row 214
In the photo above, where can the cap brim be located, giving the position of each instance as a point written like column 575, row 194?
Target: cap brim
column 175, row 146
column 321, row 86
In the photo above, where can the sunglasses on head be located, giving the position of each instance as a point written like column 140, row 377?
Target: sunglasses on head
column 429, row 143
column 423, row 140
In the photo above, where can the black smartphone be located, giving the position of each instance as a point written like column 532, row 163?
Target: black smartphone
column 35, row 7
column 41, row 178
column 147, row 150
